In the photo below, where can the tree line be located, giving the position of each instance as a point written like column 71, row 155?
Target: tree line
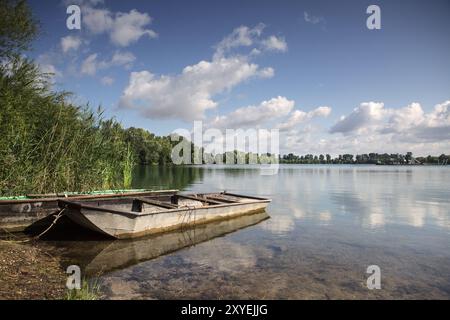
column 239, row 157
column 371, row 158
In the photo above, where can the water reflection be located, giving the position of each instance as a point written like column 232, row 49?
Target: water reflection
column 280, row 225
column 328, row 223
column 370, row 196
column 226, row 257
column 166, row 177
column 99, row 257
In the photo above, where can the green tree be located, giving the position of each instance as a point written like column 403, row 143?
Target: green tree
column 321, row 158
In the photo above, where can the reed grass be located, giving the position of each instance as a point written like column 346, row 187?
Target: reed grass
column 129, row 162
column 88, row 291
column 48, row 144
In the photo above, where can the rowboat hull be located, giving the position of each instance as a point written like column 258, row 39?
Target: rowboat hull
column 18, row 214
column 127, row 224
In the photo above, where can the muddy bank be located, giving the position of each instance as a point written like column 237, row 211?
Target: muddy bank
column 29, row 272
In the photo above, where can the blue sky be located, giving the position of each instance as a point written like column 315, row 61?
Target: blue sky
column 311, row 68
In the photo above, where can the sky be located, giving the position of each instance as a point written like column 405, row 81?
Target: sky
column 311, row 69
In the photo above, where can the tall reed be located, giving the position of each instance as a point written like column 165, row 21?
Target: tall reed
column 48, row 144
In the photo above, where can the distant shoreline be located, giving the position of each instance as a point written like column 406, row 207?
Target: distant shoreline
column 291, row 163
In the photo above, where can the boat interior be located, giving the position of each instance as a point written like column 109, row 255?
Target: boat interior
column 159, row 203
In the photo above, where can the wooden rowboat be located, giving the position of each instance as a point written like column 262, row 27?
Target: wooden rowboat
column 17, row 213
column 130, row 217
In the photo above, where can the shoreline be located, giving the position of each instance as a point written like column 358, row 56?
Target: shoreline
column 29, row 272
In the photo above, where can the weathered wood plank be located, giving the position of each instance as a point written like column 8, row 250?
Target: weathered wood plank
column 243, row 196
column 157, row 203
column 205, row 200
column 220, row 199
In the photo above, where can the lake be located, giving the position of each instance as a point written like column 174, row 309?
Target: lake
column 324, row 227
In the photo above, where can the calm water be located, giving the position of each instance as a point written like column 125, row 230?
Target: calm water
column 327, row 225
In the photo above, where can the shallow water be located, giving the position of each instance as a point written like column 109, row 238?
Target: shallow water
column 327, row 225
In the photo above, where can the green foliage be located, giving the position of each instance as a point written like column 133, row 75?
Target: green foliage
column 128, row 167
column 17, row 27
column 50, row 145
column 371, row 158
column 149, row 148
column 88, row 291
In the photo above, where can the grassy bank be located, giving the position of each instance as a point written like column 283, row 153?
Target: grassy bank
column 90, row 290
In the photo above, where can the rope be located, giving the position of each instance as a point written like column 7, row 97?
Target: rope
column 187, row 216
column 59, row 215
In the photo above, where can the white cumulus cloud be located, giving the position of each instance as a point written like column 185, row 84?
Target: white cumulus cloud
column 244, row 36
column 91, row 64
column 371, row 127
column 255, row 115
column 189, row 94
column 312, row 19
column 299, row 116
column 107, row 81
column 123, row 28
column 367, row 113
column 70, row 43
column 130, row 27
column 121, row 59
column 409, row 123
column 274, row 43
column 413, row 124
